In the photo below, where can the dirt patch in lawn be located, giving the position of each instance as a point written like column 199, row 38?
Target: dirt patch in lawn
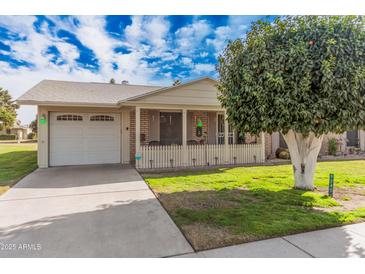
column 204, row 200
column 203, row 236
column 350, row 198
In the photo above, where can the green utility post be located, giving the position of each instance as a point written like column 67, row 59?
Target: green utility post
column 330, row 185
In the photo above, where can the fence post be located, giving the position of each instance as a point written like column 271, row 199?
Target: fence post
column 184, row 138
column 262, row 147
column 226, row 140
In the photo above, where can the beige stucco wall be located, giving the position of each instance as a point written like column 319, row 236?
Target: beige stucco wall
column 43, row 142
column 198, row 93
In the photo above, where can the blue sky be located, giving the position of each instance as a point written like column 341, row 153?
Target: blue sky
column 140, row 49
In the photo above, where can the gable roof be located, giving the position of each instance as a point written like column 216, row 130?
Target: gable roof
column 81, row 93
column 165, row 89
column 53, row 92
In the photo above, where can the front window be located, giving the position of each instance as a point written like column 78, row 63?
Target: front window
column 170, row 128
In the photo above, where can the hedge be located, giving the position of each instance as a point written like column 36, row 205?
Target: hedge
column 7, row 136
column 31, row 135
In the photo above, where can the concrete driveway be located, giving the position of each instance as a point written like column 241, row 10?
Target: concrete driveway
column 86, row 211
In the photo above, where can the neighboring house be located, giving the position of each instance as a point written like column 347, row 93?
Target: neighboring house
column 95, row 123
column 349, row 140
column 20, row 131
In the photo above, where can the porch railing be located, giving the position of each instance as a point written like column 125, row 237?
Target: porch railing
column 198, row 155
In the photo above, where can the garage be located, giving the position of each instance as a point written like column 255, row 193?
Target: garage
column 84, row 138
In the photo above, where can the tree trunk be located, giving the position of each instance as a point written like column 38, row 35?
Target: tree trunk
column 303, row 153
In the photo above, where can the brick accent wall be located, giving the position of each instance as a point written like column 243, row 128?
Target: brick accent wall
column 202, row 116
column 268, row 145
column 145, row 129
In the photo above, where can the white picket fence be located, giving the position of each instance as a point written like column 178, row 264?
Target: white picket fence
column 198, row 155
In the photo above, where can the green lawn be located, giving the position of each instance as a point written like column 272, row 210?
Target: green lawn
column 16, row 161
column 233, row 205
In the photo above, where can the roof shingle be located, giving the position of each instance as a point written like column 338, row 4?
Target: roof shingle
column 73, row 93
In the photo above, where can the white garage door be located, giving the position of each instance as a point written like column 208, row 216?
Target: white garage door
column 82, row 139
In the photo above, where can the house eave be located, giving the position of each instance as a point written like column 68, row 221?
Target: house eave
column 65, row 104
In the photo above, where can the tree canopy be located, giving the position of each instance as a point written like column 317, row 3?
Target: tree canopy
column 300, row 73
column 7, row 109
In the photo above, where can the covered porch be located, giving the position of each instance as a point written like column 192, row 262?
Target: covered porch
column 189, row 137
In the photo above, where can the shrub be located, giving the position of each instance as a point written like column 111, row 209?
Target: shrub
column 7, row 136
column 31, row 135
column 332, row 146
column 282, row 153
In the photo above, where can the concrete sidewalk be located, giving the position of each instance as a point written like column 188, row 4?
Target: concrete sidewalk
column 339, row 242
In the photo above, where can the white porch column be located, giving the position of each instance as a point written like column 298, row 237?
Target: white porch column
column 226, row 142
column 138, row 130
column 263, row 147
column 184, row 137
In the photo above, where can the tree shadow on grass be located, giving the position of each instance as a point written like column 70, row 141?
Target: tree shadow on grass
column 240, row 215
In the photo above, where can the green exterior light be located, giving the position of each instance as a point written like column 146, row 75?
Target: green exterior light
column 200, row 124
column 43, row 119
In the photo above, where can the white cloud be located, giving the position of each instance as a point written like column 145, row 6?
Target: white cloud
column 222, row 35
column 236, row 28
column 203, row 54
column 151, row 29
column 190, row 37
column 187, row 61
column 90, row 31
column 204, row 68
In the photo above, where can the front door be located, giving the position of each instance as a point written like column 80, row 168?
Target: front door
column 220, row 128
column 170, row 128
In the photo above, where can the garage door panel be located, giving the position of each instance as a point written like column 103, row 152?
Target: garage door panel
column 84, row 142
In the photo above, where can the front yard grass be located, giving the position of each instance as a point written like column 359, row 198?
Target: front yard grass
column 225, row 206
column 16, row 161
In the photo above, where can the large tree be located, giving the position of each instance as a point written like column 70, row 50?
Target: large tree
column 303, row 76
column 7, row 109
